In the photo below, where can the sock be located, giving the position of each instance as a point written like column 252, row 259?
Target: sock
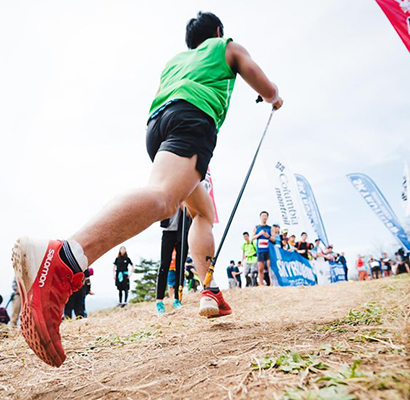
column 73, row 256
column 213, row 287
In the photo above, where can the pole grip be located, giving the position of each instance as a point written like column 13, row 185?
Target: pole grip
column 259, row 99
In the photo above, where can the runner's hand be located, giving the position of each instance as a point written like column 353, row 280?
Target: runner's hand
column 278, row 104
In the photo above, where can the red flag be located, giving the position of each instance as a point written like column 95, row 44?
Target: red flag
column 209, row 186
column 398, row 12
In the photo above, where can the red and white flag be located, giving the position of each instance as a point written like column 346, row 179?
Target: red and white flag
column 398, row 12
column 209, row 186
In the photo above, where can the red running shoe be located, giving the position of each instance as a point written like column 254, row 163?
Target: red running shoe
column 213, row 305
column 45, row 284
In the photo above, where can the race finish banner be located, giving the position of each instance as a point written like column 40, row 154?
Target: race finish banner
column 209, row 186
column 337, row 272
column 376, row 201
column 311, row 208
column 290, row 268
column 398, row 13
column 289, row 209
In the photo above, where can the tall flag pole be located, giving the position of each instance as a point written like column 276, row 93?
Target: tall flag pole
column 398, row 13
column 377, row 202
column 311, row 208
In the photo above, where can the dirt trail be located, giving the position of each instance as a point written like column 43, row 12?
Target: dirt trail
column 131, row 354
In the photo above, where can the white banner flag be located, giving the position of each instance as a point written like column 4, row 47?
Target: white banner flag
column 405, row 192
column 290, row 213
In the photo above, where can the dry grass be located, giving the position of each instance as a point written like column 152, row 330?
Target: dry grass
column 131, row 354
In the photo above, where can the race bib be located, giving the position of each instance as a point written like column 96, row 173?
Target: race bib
column 263, row 243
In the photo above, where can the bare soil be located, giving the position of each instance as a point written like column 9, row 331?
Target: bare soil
column 132, row 354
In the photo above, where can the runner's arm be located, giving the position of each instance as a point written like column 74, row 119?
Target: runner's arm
column 240, row 60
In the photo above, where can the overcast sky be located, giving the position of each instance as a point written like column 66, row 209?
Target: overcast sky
column 77, row 79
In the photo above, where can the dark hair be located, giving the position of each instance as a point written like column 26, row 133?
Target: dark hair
column 245, row 233
column 264, row 212
column 125, row 254
column 240, row 262
column 303, row 233
column 1, row 299
column 232, row 262
column 201, row 28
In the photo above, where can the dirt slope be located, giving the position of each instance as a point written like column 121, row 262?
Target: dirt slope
column 131, row 354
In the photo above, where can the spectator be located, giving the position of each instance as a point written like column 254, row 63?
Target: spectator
column 285, row 240
column 317, row 251
column 263, row 234
column 171, row 277
column 277, row 236
column 231, row 275
column 193, row 280
column 171, row 240
column 16, row 304
column 4, row 316
column 303, row 247
column 249, row 256
column 122, row 274
column 239, row 271
column 386, row 265
column 291, row 243
column 402, row 266
column 361, row 269
column 329, row 253
column 342, row 260
column 375, row 268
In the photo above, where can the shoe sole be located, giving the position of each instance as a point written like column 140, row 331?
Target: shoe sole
column 33, row 326
column 211, row 312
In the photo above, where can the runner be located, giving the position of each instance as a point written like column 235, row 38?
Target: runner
column 186, row 114
column 263, row 234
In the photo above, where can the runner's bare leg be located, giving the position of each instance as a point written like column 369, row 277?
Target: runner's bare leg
column 173, row 179
column 261, row 273
column 201, row 239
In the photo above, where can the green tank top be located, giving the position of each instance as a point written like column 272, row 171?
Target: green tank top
column 201, row 77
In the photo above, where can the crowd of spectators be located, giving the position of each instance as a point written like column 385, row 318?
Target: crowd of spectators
column 256, row 256
column 369, row 267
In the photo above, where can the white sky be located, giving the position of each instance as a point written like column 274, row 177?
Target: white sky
column 77, row 79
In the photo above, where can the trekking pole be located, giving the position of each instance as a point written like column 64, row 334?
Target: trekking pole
column 182, row 263
column 211, row 268
column 10, row 300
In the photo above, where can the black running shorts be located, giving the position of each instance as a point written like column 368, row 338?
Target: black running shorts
column 185, row 130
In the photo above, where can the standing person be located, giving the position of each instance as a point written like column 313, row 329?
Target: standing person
column 171, row 281
column 292, row 243
column 402, row 266
column 285, row 240
column 250, row 258
column 361, row 268
column 16, row 304
column 238, row 271
column 303, row 247
column 122, row 275
column 230, row 271
column 263, row 234
column 4, row 316
column 171, row 239
column 342, row 260
column 192, row 276
column 375, row 268
column 386, row 265
column 187, row 112
column 277, row 236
